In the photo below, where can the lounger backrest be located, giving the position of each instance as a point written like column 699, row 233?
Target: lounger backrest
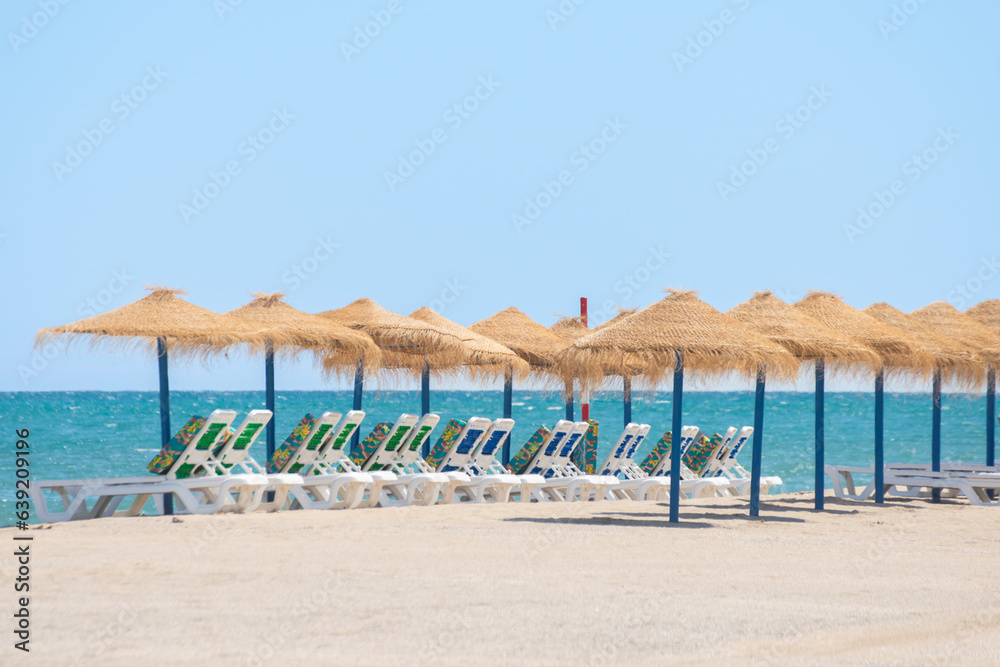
column 546, row 453
column 660, row 450
column 165, row 458
column 585, row 454
column 563, row 458
column 700, row 455
column 291, row 444
column 618, row 451
column 715, row 466
column 640, row 437
column 409, row 452
column 738, row 442
column 332, row 450
column 386, row 452
column 688, row 434
column 235, row 449
column 485, row 454
column 452, row 430
column 462, row 447
column 519, row 462
column 199, row 449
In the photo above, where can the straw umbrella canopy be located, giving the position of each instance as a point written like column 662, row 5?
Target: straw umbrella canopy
column 404, row 342
column 895, row 348
column 974, row 330
column 163, row 322
column 987, row 313
column 958, row 362
column 342, row 347
column 805, row 338
column 675, row 333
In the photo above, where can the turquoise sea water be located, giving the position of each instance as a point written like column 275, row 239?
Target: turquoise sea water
column 101, row 434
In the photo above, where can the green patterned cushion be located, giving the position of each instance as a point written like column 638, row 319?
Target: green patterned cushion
column 661, row 450
column 585, row 455
column 371, row 443
column 520, row 460
column 291, row 444
column 166, row 457
column 444, row 444
column 698, row 454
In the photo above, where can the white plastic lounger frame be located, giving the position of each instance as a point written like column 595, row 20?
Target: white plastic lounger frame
column 415, row 475
column 387, row 489
column 488, row 480
column 195, row 495
column 582, row 485
column 235, row 454
column 917, row 481
column 725, row 466
column 692, row 486
column 561, row 482
column 633, row 482
column 330, row 480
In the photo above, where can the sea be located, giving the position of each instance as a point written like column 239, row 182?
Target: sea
column 115, row 434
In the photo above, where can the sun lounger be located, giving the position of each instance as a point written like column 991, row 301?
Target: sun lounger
column 475, row 455
column 974, row 481
column 328, row 482
column 692, row 486
column 389, row 487
column 723, row 465
column 551, row 460
column 633, row 482
column 176, row 464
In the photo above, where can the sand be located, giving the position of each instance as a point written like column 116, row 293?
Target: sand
column 595, row 584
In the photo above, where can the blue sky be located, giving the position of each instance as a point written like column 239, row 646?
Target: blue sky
column 485, row 155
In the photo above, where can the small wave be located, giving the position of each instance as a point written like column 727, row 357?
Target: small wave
column 555, row 408
column 111, row 425
column 519, row 404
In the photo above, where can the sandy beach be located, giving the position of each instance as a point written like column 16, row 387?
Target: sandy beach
column 600, row 583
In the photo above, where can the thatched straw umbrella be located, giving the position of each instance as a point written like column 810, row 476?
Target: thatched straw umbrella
column 895, row 348
column 339, row 345
column 987, row 313
column 404, row 342
column 805, row 338
column 953, row 362
column 945, row 318
column 675, row 333
column 163, row 322
column 529, row 340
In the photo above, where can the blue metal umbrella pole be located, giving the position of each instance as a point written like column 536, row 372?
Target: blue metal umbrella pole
column 269, row 398
column 359, row 390
column 758, row 444
column 425, row 403
column 936, row 432
column 161, row 357
column 675, row 450
column 508, row 410
column 879, row 430
column 991, row 416
column 820, row 371
column 569, row 401
column 627, row 399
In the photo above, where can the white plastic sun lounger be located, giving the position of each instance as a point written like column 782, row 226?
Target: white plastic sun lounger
column 234, row 454
column 392, row 489
column 205, row 494
column 633, row 482
column 725, row 466
column 458, row 456
column 562, row 482
column 487, row 478
column 916, row 481
column 329, row 480
column 692, row 486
